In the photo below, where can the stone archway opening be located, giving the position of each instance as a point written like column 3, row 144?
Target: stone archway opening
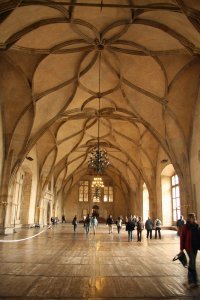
column 145, row 202
column 95, row 211
column 166, row 175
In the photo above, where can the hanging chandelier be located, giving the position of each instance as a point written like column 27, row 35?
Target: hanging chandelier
column 98, row 160
column 97, row 182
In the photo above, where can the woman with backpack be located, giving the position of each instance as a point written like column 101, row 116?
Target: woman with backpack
column 157, row 228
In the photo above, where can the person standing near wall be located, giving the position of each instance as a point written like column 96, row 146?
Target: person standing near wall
column 190, row 241
column 158, row 228
column 149, row 227
column 140, row 227
column 130, row 226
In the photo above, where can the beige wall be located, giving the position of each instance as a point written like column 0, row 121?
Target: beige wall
column 195, row 160
column 73, row 207
column 1, row 145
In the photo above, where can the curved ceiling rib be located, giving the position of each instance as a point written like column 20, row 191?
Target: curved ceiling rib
column 146, row 55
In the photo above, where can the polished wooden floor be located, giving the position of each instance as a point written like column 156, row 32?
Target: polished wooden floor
column 59, row 264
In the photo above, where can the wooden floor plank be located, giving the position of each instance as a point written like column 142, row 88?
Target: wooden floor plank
column 59, row 264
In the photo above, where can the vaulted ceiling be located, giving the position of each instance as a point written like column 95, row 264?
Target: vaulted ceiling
column 52, row 53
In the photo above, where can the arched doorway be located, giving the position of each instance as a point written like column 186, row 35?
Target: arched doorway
column 95, row 211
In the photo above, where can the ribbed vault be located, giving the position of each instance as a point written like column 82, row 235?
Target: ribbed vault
column 150, row 68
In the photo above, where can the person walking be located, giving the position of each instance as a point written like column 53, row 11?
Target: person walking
column 140, row 227
column 190, row 241
column 119, row 224
column 158, row 228
column 87, row 224
column 75, row 223
column 149, row 227
column 130, row 226
column 110, row 223
column 179, row 224
column 94, row 223
column 63, row 219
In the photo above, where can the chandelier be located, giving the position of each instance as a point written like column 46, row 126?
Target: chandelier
column 97, row 182
column 98, row 160
column 97, row 185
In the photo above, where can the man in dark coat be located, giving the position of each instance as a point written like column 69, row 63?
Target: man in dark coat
column 189, row 240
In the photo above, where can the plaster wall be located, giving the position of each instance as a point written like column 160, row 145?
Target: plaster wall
column 32, row 166
column 195, row 160
column 73, row 207
column 1, row 146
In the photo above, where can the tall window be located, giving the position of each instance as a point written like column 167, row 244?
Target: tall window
column 83, row 191
column 145, row 202
column 108, row 194
column 176, row 198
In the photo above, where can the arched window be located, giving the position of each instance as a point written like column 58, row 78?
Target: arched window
column 175, row 197
column 83, row 191
column 108, row 193
column 145, row 202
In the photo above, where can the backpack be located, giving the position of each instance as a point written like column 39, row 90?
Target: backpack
column 158, row 223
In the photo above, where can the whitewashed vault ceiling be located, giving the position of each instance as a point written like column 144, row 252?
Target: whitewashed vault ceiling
column 150, row 67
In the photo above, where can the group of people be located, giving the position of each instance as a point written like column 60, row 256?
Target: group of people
column 135, row 222
column 188, row 231
column 88, row 223
column 131, row 223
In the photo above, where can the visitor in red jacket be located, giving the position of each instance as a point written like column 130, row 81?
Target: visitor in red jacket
column 189, row 241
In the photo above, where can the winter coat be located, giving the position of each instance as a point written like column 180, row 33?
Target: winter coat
column 190, row 237
column 140, row 225
column 149, row 225
column 110, row 221
column 130, row 226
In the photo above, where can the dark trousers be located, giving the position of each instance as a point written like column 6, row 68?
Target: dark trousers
column 149, row 232
column 130, row 235
column 118, row 229
column 157, row 230
column 139, row 235
column 192, row 273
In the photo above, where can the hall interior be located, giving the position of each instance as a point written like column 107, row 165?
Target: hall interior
column 99, row 115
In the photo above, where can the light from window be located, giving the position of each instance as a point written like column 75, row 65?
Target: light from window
column 108, row 194
column 176, row 198
column 83, row 191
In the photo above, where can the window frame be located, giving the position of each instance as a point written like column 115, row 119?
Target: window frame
column 175, row 196
column 84, row 185
column 109, row 194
